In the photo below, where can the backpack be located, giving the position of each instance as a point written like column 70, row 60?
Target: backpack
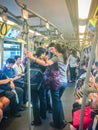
column 36, row 78
column 51, row 77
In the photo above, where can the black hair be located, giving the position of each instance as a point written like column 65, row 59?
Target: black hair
column 62, row 49
column 10, row 61
column 16, row 57
column 39, row 51
column 96, row 78
column 52, row 44
column 96, row 63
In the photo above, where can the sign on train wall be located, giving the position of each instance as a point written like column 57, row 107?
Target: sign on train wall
column 96, row 13
column 1, row 52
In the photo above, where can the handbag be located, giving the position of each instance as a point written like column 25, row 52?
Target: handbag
column 51, row 77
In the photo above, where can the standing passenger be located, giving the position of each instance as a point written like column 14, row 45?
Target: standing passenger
column 57, row 81
column 72, row 65
column 38, row 91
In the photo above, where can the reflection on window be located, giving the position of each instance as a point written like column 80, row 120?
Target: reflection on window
column 11, row 49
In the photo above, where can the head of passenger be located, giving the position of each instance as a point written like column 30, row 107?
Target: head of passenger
column 58, row 49
column 74, row 52
column 40, row 52
column 52, row 47
column 10, row 62
column 96, row 65
column 96, row 78
column 17, row 60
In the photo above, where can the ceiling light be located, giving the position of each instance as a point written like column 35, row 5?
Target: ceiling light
column 81, row 36
column 82, row 29
column 83, row 8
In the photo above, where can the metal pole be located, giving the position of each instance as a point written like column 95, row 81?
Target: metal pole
column 86, row 84
column 28, row 78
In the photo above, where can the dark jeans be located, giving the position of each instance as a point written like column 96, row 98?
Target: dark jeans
column 58, row 113
column 72, row 73
column 48, row 99
column 13, row 104
column 24, row 87
column 38, row 99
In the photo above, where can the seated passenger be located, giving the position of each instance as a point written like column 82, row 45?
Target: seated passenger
column 12, row 93
column 18, row 66
column 19, row 70
column 91, row 103
column 8, row 72
column 9, row 95
column 95, row 70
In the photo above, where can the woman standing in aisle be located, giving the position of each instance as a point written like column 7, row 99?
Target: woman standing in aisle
column 57, row 82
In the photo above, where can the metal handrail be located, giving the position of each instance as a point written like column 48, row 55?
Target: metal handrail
column 32, row 12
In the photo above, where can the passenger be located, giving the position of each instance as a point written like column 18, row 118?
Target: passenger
column 73, row 65
column 18, row 66
column 57, row 81
column 38, row 92
column 48, row 98
column 19, row 70
column 95, row 70
column 82, row 68
column 6, row 87
column 8, row 72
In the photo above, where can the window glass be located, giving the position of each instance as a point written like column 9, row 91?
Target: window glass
column 11, row 49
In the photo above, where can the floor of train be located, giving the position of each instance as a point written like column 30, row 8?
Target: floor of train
column 22, row 122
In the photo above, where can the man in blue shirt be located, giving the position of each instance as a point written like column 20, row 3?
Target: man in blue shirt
column 9, row 72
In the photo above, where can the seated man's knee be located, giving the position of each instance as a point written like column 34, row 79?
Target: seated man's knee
column 1, row 105
column 5, row 102
column 1, row 114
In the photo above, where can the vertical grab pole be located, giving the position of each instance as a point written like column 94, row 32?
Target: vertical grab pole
column 86, row 83
column 28, row 78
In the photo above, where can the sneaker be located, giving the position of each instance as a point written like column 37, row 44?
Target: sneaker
column 53, row 125
column 21, row 109
column 58, row 127
column 36, row 123
column 16, row 115
column 62, row 126
column 27, row 105
column 50, row 111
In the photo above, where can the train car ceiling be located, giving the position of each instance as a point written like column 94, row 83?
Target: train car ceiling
column 54, row 19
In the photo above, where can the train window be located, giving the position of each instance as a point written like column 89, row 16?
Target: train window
column 11, row 49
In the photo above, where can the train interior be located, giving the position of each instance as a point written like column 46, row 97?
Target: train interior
column 29, row 24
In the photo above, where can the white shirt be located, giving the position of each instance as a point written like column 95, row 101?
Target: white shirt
column 18, row 69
